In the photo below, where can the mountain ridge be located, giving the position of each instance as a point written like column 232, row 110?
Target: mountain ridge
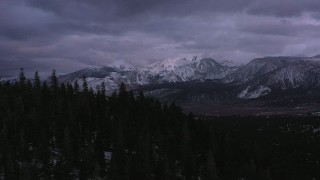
column 257, row 78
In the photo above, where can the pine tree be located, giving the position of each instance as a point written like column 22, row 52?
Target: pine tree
column 118, row 159
column 37, row 82
column 165, row 175
column 10, row 167
column 211, row 169
column 84, row 84
column 188, row 161
column 22, row 78
column 265, row 174
column 76, row 86
column 103, row 89
column 123, row 90
column 54, row 82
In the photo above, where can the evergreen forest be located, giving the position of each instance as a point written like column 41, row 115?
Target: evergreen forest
column 51, row 130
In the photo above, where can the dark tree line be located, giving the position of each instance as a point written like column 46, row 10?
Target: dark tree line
column 51, row 130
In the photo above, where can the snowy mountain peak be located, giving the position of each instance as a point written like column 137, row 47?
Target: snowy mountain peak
column 261, row 66
column 208, row 61
column 168, row 65
column 228, row 63
column 123, row 65
column 261, row 74
column 169, row 70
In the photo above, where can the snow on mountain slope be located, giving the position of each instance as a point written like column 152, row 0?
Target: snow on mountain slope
column 166, row 65
column 169, row 70
column 111, row 76
column 259, row 67
column 280, row 73
column 249, row 93
column 305, row 73
column 260, row 76
column 182, row 70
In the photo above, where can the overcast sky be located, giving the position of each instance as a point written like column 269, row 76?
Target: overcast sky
column 68, row 35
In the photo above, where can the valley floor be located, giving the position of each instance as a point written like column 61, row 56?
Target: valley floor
column 250, row 109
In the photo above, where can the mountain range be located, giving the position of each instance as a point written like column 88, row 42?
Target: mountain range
column 203, row 81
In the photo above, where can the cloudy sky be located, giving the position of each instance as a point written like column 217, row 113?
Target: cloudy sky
column 68, row 35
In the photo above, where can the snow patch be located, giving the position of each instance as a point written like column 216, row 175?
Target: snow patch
column 244, row 93
column 167, row 65
column 254, row 93
column 107, row 155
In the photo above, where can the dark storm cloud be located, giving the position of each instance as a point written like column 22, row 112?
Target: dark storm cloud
column 284, row 7
column 69, row 35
